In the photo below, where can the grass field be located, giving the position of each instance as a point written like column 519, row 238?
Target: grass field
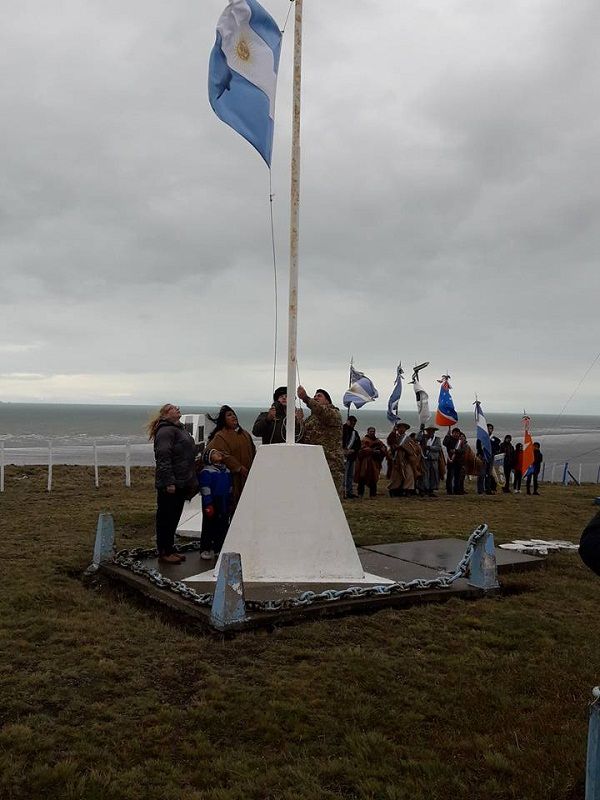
column 104, row 698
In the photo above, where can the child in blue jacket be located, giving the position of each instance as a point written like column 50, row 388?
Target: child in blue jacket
column 215, row 490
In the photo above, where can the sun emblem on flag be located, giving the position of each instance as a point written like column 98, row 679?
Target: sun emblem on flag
column 242, row 50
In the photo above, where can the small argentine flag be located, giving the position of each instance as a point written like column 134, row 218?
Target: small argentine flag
column 242, row 74
column 361, row 390
column 482, row 431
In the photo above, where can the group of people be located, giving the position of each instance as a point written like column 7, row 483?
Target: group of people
column 417, row 462
column 183, row 469
column 219, row 469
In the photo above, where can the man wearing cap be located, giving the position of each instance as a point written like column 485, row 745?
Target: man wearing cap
column 431, row 447
column 270, row 425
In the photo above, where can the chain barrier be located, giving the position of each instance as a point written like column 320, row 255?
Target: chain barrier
column 130, row 560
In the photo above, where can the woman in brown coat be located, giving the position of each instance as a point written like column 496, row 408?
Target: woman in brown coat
column 237, row 447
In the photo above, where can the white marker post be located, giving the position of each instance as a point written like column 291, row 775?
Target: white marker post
column 290, row 435
column 50, row 466
column 96, row 477
column 128, row 464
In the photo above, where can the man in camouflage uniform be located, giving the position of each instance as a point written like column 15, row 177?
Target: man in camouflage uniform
column 324, row 427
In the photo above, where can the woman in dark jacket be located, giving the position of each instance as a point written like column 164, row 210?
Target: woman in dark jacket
column 175, row 454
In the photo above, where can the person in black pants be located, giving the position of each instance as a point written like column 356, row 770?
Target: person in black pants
column 589, row 545
column 509, row 458
column 518, row 468
column 535, row 471
column 175, row 454
column 450, row 442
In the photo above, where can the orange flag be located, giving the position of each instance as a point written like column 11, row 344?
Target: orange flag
column 527, row 457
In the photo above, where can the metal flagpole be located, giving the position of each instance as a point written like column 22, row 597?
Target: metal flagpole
column 294, row 228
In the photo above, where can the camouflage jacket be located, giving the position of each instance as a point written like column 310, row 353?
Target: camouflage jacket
column 324, row 427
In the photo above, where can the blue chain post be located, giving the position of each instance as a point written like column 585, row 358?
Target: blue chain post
column 229, row 607
column 592, row 768
column 484, row 573
column 105, row 542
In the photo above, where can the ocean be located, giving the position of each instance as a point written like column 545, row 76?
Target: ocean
column 27, row 428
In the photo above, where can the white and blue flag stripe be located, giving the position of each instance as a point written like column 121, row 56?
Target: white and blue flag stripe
column 361, row 390
column 242, row 75
column 482, row 432
column 392, row 409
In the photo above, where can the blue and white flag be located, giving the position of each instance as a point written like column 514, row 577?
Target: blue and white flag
column 392, row 409
column 242, row 73
column 482, row 432
column 361, row 390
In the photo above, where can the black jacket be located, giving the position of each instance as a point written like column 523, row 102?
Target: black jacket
column 273, row 431
column 347, row 431
column 175, row 453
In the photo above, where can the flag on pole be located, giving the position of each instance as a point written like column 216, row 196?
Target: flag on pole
column 242, row 74
column 392, row 409
column 527, row 455
column 421, row 396
column 446, row 414
column 482, row 431
column 361, row 390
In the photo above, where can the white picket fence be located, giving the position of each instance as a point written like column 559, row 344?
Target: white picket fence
column 121, row 455
column 128, row 455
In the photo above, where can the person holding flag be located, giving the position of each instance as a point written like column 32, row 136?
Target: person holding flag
column 531, row 458
column 485, row 450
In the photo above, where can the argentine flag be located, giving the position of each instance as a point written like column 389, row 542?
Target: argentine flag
column 242, row 74
column 482, row 432
column 361, row 390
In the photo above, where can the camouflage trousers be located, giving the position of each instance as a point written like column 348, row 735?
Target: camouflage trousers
column 336, row 467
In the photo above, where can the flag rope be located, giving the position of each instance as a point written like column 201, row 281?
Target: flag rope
column 275, row 288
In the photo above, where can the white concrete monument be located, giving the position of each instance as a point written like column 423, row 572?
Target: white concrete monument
column 289, row 526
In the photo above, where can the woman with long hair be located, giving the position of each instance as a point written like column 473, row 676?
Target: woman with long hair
column 237, row 446
column 175, row 454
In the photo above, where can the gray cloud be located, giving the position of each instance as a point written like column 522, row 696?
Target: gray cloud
column 448, row 212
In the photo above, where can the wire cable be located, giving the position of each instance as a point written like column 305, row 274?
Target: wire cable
column 275, row 288
column 587, row 372
column 287, row 17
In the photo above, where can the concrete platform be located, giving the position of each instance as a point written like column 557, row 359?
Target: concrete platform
column 444, row 554
column 402, row 562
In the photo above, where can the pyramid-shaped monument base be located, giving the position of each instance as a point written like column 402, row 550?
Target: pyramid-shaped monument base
column 289, row 525
column 190, row 522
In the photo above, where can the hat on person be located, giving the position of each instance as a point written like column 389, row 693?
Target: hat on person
column 401, row 424
column 279, row 392
column 326, row 394
column 431, row 428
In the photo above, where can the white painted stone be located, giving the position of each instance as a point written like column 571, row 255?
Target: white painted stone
column 289, row 525
column 190, row 522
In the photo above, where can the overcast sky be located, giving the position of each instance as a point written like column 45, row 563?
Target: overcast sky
column 449, row 204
